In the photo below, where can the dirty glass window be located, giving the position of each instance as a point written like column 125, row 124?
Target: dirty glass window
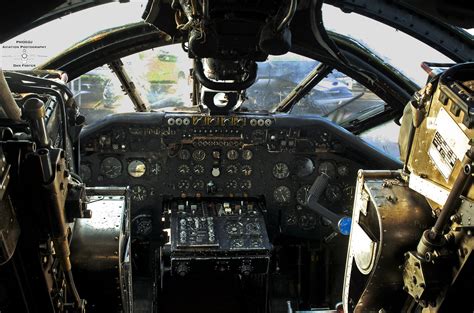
column 340, row 99
column 161, row 76
column 384, row 137
column 403, row 52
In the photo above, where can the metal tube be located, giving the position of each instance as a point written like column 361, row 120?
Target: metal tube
column 8, row 103
column 463, row 180
column 287, row 19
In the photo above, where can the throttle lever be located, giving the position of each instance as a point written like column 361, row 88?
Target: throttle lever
column 340, row 223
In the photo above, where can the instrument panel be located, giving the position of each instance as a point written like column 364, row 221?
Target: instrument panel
column 274, row 158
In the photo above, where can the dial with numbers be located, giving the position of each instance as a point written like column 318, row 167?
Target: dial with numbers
column 246, row 170
column 198, row 169
column 139, row 193
column 302, row 195
column 247, row 155
column 111, row 167
column 198, row 185
column 281, row 170
column 183, row 169
column 199, row 155
column 231, row 169
column 184, row 154
column 282, row 194
column 232, row 155
column 136, row 168
column 183, row 185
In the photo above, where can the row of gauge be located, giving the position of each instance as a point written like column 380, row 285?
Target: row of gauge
column 111, row 167
column 281, row 194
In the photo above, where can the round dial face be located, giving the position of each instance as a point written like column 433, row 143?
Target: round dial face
column 183, row 169
column 232, row 155
column 183, row 185
column 328, row 168
column 302, row 195
column 142, row 225
column 136, row 168
column 111, row 167
column 139, row 193
column 247, row 155
column 86, row 172
column 333, row 193
column 281, row 170
column 343, row 170
column 246, row 184
column 155, row 169
column 232, row 169
column 198, row 185
column 184, row 154
column 198, row 169
column 231, row 184
column 199, row 155
column 282, row 194
column 246, row 170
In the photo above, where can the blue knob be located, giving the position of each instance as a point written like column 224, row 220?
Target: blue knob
column 344, row 225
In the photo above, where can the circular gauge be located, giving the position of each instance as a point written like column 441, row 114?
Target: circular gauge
column 237, row 243
column 343, row 170
column 234, row 228
column 246, row 170
column 281, row 170
column 252, row 228
column 232, row 169
column 111, row 167
column 302, row 195
column 282, row 194
column 139, row 193
column 198, row 185
column 136, row 168
column 198, row 169
column 333, row 193
column 231, row 184
column 183, row 169
column 291, row 219
column 232, row 155
column 246, row 184
column 304, row 167
column 328, row 168
column 142, row 225
column 155, row 169
column 256, row 242
column 183, row 185
column 184, row 154
column 199, row 155
column 247, row 155
column 86, row 172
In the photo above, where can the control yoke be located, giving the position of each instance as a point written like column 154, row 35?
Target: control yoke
column 340, row 223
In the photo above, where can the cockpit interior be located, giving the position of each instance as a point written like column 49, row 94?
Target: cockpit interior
column 270, row 156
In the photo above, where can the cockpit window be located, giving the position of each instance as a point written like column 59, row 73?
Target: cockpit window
column 403, row 52
column 162, row 77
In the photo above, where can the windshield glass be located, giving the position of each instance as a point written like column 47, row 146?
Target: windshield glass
column 403, row 52
column 162, row 77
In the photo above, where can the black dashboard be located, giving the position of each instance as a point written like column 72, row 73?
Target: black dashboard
column 274, row 158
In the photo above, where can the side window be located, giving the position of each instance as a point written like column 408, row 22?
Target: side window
column 340, row 99
column 384, row 137
column 98, row 93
